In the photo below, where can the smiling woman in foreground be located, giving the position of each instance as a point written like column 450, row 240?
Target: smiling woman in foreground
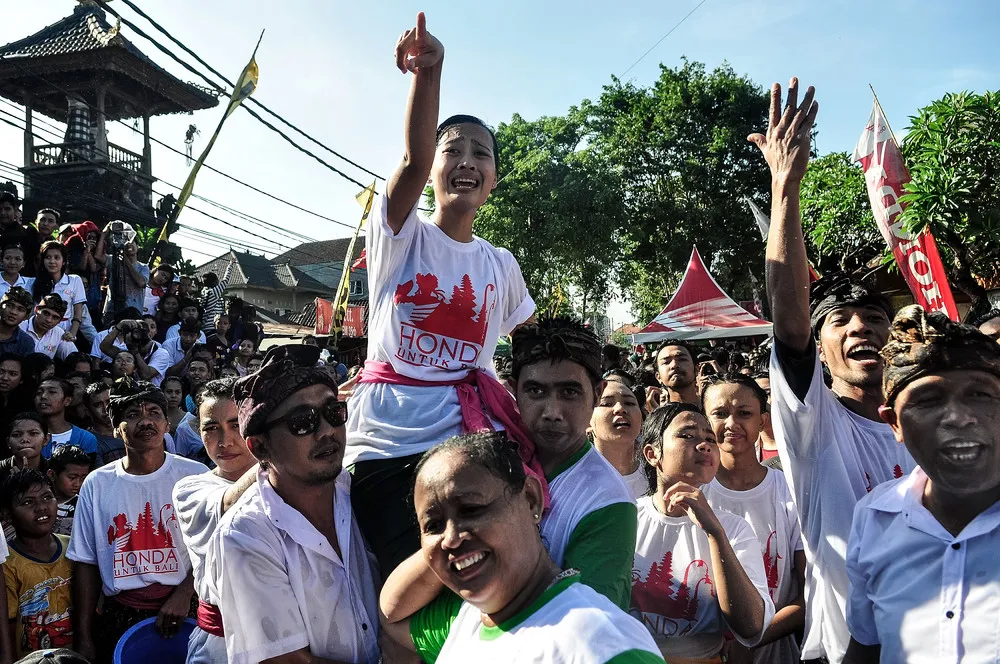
column 506, row 601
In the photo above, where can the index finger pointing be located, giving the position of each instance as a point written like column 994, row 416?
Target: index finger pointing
column 421, row 25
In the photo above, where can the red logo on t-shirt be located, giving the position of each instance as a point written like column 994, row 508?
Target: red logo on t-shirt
column 662, row 600
column 771, row 564
column 445, row 332
column 897, row 472
column 147, row 547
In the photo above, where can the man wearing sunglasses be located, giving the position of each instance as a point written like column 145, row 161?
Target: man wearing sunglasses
column 296, row 582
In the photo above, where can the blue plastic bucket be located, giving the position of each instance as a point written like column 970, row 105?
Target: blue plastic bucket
column 142, row 644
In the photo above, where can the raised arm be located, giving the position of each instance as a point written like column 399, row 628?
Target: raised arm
column 786, row 149
column 419, row 52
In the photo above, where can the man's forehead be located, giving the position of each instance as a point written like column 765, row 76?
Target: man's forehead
column 314, row 396
column 551, row 372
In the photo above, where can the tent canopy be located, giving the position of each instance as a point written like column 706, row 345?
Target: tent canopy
column 700, row 309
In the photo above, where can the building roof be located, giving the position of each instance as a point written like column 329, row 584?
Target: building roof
column 260, row 272
column 326, row 251
column 75, row 51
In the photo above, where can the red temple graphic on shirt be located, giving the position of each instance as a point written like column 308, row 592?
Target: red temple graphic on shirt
column 664, row 596
column 442, row 330
column 771, row 564
column 146, row 547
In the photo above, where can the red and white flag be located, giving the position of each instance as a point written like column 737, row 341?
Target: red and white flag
column 917, row 255
column 324, row 316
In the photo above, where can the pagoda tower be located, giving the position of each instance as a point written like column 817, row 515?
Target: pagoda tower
column 82, row 72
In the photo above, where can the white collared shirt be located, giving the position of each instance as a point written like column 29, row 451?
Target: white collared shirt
column 921, row 593
column 282, row 587
column 24, row 282
column 51, row 343
column 174, row 332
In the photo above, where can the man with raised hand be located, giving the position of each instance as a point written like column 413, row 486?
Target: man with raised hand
column 833, row 446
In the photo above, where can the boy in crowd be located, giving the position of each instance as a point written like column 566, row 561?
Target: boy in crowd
column 109, row 447
column 15, row 306
column 43, row 328
column 675, row 371
column 189, row 310
column 52, row 399
column 151, row 360
column 833, row 446
column 211, row 297
column 37, row 573
column 922, row 552
column 68, row 467
column 201, row 500
column 125, row 516
column 77, row 412
column 181, row 346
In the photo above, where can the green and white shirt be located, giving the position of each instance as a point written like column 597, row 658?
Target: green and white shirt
column 591, row 524
column 569, row 623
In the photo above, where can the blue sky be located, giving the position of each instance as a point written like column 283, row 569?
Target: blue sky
column 327, row 66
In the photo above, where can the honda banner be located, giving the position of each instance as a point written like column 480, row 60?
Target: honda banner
column 916, row 255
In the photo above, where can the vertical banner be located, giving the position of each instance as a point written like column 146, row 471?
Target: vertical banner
column 324, row 316
column 917, row 255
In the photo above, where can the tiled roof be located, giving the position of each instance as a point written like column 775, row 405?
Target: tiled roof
column 316, row 253
column 260, row 272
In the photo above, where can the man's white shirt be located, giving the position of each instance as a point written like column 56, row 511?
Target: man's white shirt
column 51, row 343
column 282, row 587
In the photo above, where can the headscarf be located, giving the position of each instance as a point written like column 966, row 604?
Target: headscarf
column 285, row 370
column 127, row 392
column 835, row 290
column 923, row 343
column 557, row 338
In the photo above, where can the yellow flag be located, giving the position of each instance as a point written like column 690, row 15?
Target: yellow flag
column 245, row 87
column 365, row 199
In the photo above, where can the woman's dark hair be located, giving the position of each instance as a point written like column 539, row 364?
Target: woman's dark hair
column 44, row 281
column 734, row 378
column 29, row 415
column 218, row 389
column 180, row 381
column 490, row 451
column 210, row 280
column 69, row 455
column 653, row 429
column 73, row 359
column 456, row 120
column 18, row 482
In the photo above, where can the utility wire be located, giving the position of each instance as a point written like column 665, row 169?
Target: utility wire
column 658, row 41
column 175, row 150
column 252, row 100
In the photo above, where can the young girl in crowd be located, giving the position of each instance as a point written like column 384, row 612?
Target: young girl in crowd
column 615, row 430
column 167, row 315
column 440, row 299
column 53, row 278
column 479, row 515
column 698, row 573
column 12, row 262
column 244, row 354
column 737, row 409
column 173, row 390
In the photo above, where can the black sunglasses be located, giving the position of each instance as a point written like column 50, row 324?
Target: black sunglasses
column 304, row 420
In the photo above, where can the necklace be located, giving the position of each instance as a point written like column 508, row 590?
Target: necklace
column 565, row 574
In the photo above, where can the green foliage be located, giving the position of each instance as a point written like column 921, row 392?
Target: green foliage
column 680, row 151
column 953, row 151
column 837, row 215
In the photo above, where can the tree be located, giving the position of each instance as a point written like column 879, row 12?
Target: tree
column 952, row 151
column 557, row 208
column 837, row 215
column 680, row 151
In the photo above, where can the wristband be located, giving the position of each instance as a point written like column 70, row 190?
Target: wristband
column 77, row 320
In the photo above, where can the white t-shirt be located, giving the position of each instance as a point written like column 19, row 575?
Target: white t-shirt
column 438, row 307
column 282, row 587
column 569, row 624
column 150, row 302
column 920, row 592
column 127, row 526
column 60, row 439
column 673, row 591
column 769, row 510
column 51, row 343
column 70, row 288
column 831, row 458
column 198, row 502
column 174, row 332
column 637, row 482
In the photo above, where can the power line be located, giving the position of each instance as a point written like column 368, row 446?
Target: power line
column 658, row 41
column 175, row 150
column 252, row 100
column 212, row 83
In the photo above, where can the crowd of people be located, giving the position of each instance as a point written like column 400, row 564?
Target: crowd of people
column 831, row 495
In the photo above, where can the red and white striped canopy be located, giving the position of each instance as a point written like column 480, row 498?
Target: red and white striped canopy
column 700, row 309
